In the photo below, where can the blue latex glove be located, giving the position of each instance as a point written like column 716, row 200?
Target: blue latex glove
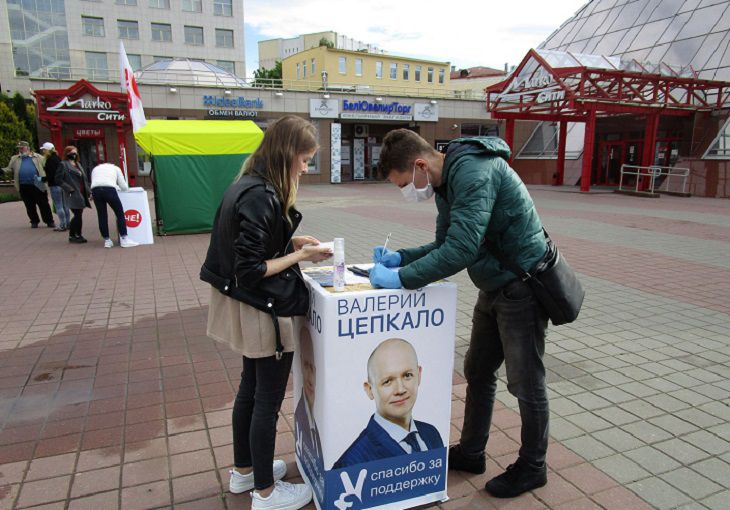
column 382, row 277
column 388, row 258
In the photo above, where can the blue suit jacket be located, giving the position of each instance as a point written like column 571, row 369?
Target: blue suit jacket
column 374, row 443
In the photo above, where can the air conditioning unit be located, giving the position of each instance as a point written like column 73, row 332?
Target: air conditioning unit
column 361, row 130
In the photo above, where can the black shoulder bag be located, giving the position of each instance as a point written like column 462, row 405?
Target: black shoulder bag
column 555, row 284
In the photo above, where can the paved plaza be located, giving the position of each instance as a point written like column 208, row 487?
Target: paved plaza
column 111, row 395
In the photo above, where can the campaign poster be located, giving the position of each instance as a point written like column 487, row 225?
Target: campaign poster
column 372, row 396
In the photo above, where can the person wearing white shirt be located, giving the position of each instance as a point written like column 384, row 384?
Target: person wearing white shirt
column 106, row 180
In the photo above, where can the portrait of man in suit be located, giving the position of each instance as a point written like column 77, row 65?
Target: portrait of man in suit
column 393, row 378
column 305, row 426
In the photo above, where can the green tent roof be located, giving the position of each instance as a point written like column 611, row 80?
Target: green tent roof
column 199, row 137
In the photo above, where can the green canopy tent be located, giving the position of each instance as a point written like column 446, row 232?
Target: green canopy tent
column 194, row 161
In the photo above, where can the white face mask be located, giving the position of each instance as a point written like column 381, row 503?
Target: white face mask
column 413, row 194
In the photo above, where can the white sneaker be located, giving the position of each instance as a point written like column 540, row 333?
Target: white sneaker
column 126, row 242
column 108, row 243
column 242, row 483
column 285, row 496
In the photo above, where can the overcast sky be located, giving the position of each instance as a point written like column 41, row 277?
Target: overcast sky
column 466, row 33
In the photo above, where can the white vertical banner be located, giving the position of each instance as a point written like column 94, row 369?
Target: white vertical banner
column 336, row 153
column 358, row 146
column 129, row 87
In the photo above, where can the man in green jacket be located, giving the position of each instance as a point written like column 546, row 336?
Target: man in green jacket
column 479, row 197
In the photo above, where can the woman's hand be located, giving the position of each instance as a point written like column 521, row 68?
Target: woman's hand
column 314, row 253
column 299, row 241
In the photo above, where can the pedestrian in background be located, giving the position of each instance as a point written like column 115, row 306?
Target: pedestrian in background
column 30, row 183
column 106, row 180
column 71, row 176
column 51, row 162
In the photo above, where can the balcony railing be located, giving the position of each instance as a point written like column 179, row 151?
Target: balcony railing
column 210, row 79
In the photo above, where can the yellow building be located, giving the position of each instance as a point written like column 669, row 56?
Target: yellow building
column 272, row 50
column 358, row 71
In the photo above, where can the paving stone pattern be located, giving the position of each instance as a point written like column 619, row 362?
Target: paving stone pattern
column 111, row 395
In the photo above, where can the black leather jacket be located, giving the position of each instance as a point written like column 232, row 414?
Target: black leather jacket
column 250, row 228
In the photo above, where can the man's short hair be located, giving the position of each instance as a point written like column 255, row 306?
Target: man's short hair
column 400, row 148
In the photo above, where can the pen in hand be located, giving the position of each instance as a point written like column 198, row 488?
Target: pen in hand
column 385, row 244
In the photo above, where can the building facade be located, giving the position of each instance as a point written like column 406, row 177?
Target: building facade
column 684, row 38
column 331, row 69
column 272, row 50
column 73, row 39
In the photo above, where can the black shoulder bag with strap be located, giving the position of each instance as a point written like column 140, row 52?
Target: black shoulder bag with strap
column 555, row 284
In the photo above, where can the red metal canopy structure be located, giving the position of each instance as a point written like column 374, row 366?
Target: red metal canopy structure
column 564, row 87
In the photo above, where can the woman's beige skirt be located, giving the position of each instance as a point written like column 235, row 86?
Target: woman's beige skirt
column 245, row 329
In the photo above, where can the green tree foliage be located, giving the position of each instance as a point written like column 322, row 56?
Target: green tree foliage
column 268, row 77
column 326, row 42
column 11, row 130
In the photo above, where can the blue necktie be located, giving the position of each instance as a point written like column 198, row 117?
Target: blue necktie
column 412, row 442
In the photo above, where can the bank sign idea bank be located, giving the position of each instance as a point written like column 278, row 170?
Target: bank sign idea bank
column 372, row 396
column 232, row 107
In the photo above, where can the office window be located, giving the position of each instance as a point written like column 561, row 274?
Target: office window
column 304, row 69
column 313, row 69
column 93, row 27
column 228, row 65
column 192, row 5
column 161, row 32
column 442, row 74
column 378, row 70
column 126, row 2
column 128, row 29
column 160, row 58
column 223, row 38
column 160, row 4
column 96, row 65
column 194, row 35
column 343, row 65
column 417, row 76
column 393, row 71
column 406, row 71
column 135, row 61
column 299, row 71
column 430, row 75
column 358, row 67
column 223, row 7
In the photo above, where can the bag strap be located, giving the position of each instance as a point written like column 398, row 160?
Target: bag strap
column 510, row 264
column 279, row 346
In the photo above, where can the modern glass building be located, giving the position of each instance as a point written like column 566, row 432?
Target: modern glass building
column 681, row 38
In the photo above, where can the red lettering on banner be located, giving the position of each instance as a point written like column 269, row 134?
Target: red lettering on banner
column 132, row 218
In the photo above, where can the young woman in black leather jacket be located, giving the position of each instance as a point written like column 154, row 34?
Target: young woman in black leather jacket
column 252, row 261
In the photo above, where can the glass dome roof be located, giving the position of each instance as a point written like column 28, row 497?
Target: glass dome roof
column 183, row 71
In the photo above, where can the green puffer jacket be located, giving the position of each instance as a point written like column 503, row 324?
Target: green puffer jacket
column 480, row 195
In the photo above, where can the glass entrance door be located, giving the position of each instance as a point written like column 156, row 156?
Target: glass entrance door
column 609, row 170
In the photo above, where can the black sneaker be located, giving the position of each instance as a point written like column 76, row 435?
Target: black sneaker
column 460, row 462
column 34, row 225
column 519, row 477
column 51, row 225
column 77, row 239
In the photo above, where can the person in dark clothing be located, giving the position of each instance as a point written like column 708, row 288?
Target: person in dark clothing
column 72, row 177
column 479, row 197
column 51, row 163
column 30, row 182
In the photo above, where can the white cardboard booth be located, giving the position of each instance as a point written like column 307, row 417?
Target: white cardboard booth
column 374, row 366
column 137, row 215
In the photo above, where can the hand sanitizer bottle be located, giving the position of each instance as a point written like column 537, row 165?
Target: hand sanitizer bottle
column 338, row 279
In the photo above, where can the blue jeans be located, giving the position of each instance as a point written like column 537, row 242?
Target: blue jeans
column 59, row 202
column 255, row 411
column 508, row 325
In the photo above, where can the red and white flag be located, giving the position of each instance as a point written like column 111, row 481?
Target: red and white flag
column 129, row 86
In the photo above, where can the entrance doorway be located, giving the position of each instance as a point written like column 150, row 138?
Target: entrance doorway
column 613, row 155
